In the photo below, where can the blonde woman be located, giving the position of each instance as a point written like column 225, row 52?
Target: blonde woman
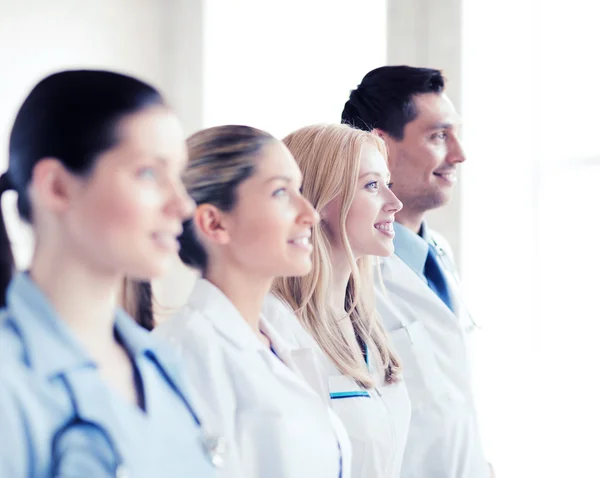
column 340, row 345
column 251, row 224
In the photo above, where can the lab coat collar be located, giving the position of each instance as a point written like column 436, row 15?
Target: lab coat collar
column 223, row 315
column 49, row 345
column 400, row 280
column 288, row 356
column 227, row 320
column 278, row 343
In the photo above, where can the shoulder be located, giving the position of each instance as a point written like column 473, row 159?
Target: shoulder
column 12, row 347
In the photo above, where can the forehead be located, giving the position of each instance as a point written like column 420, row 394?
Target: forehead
column 372, row 161
column 435, row 108
column 276, row 160
column 156, row 131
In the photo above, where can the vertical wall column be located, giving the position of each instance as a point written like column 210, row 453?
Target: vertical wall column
column 183, row 60
column 428, row 33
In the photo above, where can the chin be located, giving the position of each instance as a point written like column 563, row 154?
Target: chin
column 148, row 271
column 297, row 270
column 384, row 251
column 441, row 199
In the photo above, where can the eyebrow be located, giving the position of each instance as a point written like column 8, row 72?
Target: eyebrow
column 436, row 126
column 161, row 160
column 372, row 173
column 287, row 179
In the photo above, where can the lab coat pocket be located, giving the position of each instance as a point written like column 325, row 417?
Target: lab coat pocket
column 420, row 369
column 347, row 399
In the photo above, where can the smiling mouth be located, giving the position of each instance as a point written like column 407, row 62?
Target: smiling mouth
column 449, row 177
column 386, row 228
column 302, row 243
column 166, row 241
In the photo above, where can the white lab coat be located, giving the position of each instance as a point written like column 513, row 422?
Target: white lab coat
column 377, row 423
column 275, row 426
column 444, row 439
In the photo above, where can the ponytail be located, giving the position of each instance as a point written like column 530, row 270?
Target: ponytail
column 7, row 261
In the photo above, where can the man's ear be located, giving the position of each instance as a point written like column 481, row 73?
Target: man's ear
column 380, row 133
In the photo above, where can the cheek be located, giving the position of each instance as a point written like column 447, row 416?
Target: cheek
column 422, row 159
column 262, row 229
column 361, row 217
column 119, row 211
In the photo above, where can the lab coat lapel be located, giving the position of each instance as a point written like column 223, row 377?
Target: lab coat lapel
column 400, row 280
column 292, row 359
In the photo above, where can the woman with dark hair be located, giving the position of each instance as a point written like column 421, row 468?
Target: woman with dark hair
column 251, row 224
column 95, row 159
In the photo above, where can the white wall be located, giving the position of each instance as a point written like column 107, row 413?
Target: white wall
column 283, row 65
column 39, row 36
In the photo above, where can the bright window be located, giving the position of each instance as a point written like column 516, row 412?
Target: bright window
column 531, row 229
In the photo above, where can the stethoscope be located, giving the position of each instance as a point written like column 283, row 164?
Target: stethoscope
column 212, row 445
column 448, row 265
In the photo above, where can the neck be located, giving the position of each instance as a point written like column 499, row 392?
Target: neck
column 246, row 291
column 340, row 275
column 82, row 297
column 410, row 219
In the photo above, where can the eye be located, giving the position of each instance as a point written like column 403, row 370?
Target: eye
column 281, row 192
column 371, row 185
column 147, row 173
column 441, row 135
column 389, row 185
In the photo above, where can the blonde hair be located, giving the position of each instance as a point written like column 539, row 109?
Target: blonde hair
column 321, row 150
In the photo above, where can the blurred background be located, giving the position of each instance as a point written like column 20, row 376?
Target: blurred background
column 523, row 222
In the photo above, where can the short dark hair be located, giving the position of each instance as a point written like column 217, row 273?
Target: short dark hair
column 384, row 98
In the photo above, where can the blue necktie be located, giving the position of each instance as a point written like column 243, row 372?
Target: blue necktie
column 435, row 277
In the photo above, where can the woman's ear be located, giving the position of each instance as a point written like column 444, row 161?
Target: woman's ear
column 209, row 221
column 53, row 185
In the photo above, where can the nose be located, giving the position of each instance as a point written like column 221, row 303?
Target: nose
column 180, row 203
column 456, row 154
column 393, row 204
column 308, row 214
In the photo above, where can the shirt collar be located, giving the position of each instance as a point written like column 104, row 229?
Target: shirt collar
column 412, row 248
column 50, row 346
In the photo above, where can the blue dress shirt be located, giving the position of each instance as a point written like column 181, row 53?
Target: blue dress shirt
column 420, row 254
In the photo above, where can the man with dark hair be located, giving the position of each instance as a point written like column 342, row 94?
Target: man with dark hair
column 421, row 306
